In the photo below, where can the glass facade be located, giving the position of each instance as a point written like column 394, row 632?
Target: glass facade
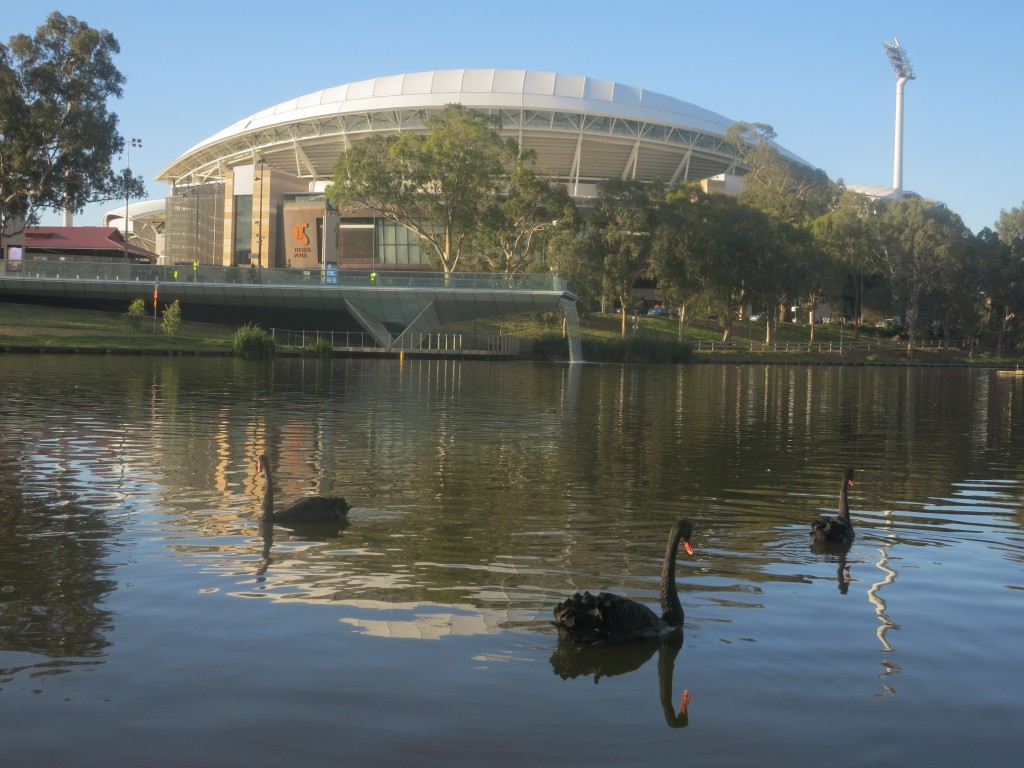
column 195, row 224
column 243, row 229
column 397, row 245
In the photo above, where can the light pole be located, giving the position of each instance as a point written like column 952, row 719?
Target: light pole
column 259, row 221
column 195, row 188
column 127, row 178
column 901, row 66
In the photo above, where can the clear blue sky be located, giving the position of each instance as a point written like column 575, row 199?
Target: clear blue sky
column 815, row 71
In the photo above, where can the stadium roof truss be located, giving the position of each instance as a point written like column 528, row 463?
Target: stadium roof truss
column 582, row 130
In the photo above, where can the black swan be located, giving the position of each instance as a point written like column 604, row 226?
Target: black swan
column 839, row 528
column 606, row 618
column 312, row 510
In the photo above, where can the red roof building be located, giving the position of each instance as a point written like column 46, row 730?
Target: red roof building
column 83, row 244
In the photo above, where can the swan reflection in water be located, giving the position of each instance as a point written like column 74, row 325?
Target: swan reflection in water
column 570, row 661
column 842, row 568
column 316, row 531
column 267, row 534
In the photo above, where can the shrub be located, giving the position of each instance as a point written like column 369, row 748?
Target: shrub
column 133, row 320
column 615, row 350
column 171, row 319
column 322, row 347
column 251, row 341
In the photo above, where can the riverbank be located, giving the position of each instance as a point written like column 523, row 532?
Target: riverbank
column 36, row 329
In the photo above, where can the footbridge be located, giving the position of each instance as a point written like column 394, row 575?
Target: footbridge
column 395, row 308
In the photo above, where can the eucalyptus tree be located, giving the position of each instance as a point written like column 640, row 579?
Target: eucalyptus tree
column 792, row 194
column 576, row 256
column 776, row 184
column 57, row 134
column 681, row 247
column 999, row 277
column 442, row 185
column 847, row 235
column 802, row 272
column 734, row 267
column 1010, row 225
column 919, row 243
column 519, row 223
column 623, row 223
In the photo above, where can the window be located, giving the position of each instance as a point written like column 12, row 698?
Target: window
column 243, row 228
column 398, row 245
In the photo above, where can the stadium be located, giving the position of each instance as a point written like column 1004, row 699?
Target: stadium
column 253, row 192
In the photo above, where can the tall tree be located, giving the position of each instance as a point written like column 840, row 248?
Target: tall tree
column 624, row 222
column 576, row 256
column 680, row 247
column 776, row 184
column 919, row 242
column 735, row 265
column 441, row 185
column 519, row 223
column 57, row 136
column 1010, row 225
column 846, row 235
column 998, row 271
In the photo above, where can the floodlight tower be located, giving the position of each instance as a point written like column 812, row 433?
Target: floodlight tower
column 901, row 66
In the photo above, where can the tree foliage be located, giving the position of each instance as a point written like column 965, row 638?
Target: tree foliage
column 1010, row 225
column 918, row 243
column 443, row 185
column 623, row 223
column 776, row 184
column 171, row 319
column 57, row 135
column 683, row 239
column 519, row 221
column 576, row 256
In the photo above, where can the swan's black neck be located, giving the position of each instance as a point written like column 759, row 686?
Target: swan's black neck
column 671, row 608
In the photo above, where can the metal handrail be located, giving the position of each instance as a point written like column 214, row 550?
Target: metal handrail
column 816, row 346
column 212, row 274
column 430, row 342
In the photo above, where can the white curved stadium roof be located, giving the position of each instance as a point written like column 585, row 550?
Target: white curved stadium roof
column 582, row 130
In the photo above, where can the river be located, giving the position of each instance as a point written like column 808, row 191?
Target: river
column 144, row 618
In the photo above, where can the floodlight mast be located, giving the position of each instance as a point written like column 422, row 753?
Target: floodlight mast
column 901, row 66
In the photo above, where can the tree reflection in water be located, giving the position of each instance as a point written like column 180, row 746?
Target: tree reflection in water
column 570, row 661
column 53, row 580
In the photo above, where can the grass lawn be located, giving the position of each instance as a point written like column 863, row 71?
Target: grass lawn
column 655, row 339
column 33, row 325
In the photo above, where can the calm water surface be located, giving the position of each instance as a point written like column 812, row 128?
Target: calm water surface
column 145, row 621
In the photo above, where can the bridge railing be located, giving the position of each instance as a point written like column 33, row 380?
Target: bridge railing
column 330, row 277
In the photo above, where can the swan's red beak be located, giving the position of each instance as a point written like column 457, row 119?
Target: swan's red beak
column 259, row 467
column 684, row 703
column 688, row 547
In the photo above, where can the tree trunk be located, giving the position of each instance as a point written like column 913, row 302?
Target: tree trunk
column 911, row 317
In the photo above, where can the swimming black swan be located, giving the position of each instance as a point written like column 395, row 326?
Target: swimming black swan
column 312, row 510
column 606, row 618
column 837, row 529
